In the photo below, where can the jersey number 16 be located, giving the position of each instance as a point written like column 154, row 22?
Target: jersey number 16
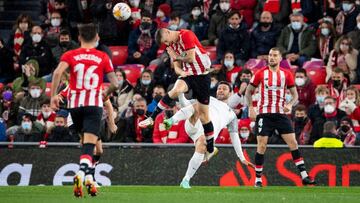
column 86, row 79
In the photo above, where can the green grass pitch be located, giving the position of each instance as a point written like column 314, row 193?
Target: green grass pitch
column 174, row 194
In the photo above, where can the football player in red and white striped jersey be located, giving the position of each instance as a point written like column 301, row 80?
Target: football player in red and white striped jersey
column 192, row 63
column 85, row 100
column 272, row 81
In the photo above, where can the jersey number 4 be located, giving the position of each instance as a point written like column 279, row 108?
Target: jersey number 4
column 86, row 79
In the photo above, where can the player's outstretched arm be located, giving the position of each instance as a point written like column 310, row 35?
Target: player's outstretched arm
column 59, row 71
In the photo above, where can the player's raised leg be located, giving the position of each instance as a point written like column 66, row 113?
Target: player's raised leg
column 166, row 102
column 290, row 140
column 259, row 158
column 203, row 109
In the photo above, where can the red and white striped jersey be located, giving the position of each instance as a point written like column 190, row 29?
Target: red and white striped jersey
column 272, row 86
column 87, row 69
column 188, row 40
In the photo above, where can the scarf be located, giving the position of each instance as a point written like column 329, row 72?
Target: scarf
column 145, row 41
column 273, row 6
column 296, row 6
column 18, row 42
column 206, row 8
column 324, row 46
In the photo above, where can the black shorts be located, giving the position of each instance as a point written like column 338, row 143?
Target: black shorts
column 200, row 85
column 87, row 119
column 267, row 123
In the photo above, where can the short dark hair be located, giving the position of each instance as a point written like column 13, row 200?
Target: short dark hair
column 245, row 71
column 300, row 107
column 329, row 126
column 301, row 70
column 146, row 13
column 45, row 101
column 232, row 13
column 88, row 31
column 338, row 70
column 158, row 36
column 64, row 32
column 174, row 15
column 122, row 72
column 225, row 83
column 330, row 97
column 276, row 49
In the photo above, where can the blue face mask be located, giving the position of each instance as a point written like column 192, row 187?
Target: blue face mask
column 346, row 7
column 146, row 82
column 173, row 27
column 26, row 126
column 320, row 99
column 229, row 63
column 288, row 98
column 296, row 25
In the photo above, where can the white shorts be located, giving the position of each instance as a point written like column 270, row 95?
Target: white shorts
column 195, row 131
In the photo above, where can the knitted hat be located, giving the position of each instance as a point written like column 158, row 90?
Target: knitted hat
column 244, row 123
column 166, row 9
column 7, row 95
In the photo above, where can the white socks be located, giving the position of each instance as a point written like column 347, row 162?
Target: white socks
column 194, row 164
column 183, row 114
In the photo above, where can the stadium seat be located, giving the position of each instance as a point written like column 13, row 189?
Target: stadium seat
column 152, row 67
column 119, row 54
column 161, row 50
column 1, row 86
column 357, row 86
column 313, row 64
column 317, row 75
column 211, row 50
column 132, row 71
column 48, row 89
column 254, row 64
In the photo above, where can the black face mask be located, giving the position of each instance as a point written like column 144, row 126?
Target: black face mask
column 60, row 130
column 264, row 24
column 300, row 119
column 145, row 25
column 169, row 113
column 64, row 44
column 344, row 128
column 140, row 112
column 336, row 83
column 246, row 80
column 157, row 98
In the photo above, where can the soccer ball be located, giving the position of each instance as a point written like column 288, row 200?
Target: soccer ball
column 121, row 11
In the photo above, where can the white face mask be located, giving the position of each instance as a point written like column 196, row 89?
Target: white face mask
column 346, row 7
column 351, row 100
column 160, row 14
column 358, row 26
column 135, row 15
column 296, row 25
column 55, row 22
column 299, row 81
column 213, row 85
column 344, row 47
column 36, row 38
column 173, row 27
column 229, row 63
column 244, row 135
column 329, row 109
column 196, row 12
column 146, row 82
column 325, row 31
column 35, row 93
column 134, row 3
column 288, row 98
column 224, row 6
column 46, row 114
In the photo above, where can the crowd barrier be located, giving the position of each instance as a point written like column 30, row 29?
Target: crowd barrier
column 148, row 164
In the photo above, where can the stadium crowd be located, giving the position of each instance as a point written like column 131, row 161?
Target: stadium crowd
column 319, row 41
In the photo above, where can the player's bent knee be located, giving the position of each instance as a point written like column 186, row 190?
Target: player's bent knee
column 200, row 145
column 261, row 147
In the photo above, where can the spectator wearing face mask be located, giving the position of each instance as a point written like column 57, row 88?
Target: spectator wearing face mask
column 302, row 125
column 354, row 35
column 176, row 134
column 142, row 47
column 27, row 131
column 315, row 110
column 234, row 38
column 264, row 36
column 182, row 7
column 305, row 88
column 145, row 85
column 330, row 113
column 163, row 16
column 346, row 18
column 338, row 84
column 218, row 23
column 214, row 84
column 297, row 41
column 329, row 138
column 346, row 132
column 30, row 72
column 231, row 69
column 65, row 44
column 8, row 110
column 52, row 31
column 326, row 40
column 176, row 22
column 351, row 100
column 132, row 132
column 46, row 117
column 60, row 132
column 280, row 9
column 39, row 50
column 123, row 95
column 32, row 102
column 343, row 56
column 198, row 24
column 157, row 95
column 245, row 132
column 242, row 81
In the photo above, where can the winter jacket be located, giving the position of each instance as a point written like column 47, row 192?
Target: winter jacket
column 306, row 93
column 234, row 40
column 199, row 26
column 218, row 23
column 307, row 42
column 58, row 51
column 262, row 42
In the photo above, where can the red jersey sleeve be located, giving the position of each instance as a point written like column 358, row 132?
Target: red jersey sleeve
column 290, row 82
column 188, row 40
column 107, row 64
column 66, row 57
column 256, row 79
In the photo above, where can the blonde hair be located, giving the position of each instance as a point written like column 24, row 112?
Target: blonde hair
column 322, row 88
column 357, row 93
